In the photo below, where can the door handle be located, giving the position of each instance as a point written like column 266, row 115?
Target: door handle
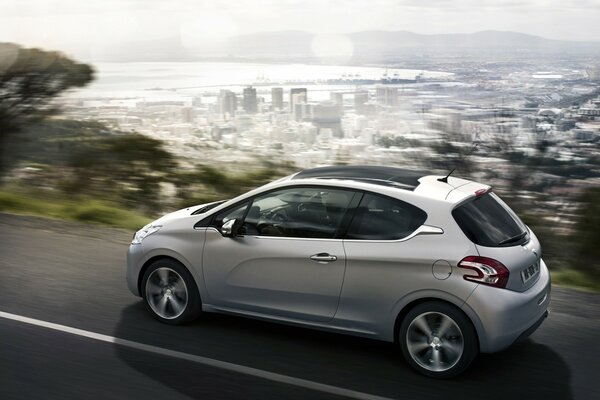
column 323, row 258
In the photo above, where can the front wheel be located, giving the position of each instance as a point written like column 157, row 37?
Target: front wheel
column 170, row 292
column 438, row 340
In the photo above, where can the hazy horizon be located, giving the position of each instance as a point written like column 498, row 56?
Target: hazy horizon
column 86, row 28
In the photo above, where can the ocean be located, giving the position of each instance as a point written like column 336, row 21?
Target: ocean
column 176, row 80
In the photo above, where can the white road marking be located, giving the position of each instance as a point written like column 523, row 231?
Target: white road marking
column 259, row 373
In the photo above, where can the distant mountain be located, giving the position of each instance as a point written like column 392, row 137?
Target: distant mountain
column 383, row 43
column 272, row 43
column 167, row 49
column 369, row 46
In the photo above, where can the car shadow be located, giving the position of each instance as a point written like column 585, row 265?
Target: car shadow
column 527, row 370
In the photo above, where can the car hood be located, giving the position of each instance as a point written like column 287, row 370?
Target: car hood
column 184, row 213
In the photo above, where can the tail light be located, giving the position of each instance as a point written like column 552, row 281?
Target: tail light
column 487, row 271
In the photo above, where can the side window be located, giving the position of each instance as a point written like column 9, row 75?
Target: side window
column 298, row 212
column 237, row 212
column 384, row 218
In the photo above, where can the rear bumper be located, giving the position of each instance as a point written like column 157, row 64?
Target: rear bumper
column 501, row 317
column 532, row 328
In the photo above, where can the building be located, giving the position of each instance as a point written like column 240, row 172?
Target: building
column 243, row 123
column 593, row 73
column 591, row 112
column 387, row 96
column 360, row 101
column 249, row 101
column 188, row 114
column 228, row 103
column 328, row 115
column 297, row 96
column 276, row 98
column 303, row 112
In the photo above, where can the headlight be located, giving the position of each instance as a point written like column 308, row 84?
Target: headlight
column 145, row 231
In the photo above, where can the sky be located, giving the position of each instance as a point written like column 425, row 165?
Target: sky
column 80, row 26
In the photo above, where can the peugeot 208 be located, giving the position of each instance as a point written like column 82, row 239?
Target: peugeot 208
column 439, row 265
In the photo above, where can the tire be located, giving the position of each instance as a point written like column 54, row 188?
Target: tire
column 438, row 340
column 170, row 292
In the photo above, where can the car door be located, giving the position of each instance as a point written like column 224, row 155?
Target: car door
column 287, row 261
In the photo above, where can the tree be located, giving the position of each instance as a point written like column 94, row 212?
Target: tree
column 453, row 151
column 587, row 232
column 207, row 183
column 125, row 168
column 91, row 160
column 29, row 80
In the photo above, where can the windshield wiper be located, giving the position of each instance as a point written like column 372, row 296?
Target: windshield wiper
column 515, row 238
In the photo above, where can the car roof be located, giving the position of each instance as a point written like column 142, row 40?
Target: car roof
column 380, row 175
column 426, row 191
column 450, row 189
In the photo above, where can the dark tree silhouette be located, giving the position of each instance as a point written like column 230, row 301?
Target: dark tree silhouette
column 29, row 80
column 126, row 168
column 587, row 231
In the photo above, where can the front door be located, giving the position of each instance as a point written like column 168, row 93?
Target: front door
column 287, row 261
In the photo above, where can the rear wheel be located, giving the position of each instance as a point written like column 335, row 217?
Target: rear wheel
column 170, row 292
column 438, row 340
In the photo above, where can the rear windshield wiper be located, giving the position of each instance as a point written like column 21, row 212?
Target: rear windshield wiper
column 515, row 238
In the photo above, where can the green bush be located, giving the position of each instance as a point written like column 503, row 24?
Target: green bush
column 574, row 278
column 78, row 209
column 19, row 203
column 587, row 232
column 96, row 212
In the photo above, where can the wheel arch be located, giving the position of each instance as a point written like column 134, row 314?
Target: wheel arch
column 166, row 255
column 404, row 307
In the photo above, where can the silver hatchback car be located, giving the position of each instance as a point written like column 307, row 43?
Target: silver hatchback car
column 439, row 265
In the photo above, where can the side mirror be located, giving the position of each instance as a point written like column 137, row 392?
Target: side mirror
column 230, row 228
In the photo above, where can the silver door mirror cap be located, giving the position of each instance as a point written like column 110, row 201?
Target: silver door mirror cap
column 230, row 228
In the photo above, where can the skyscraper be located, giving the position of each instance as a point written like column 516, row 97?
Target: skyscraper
column 227, row 102
column 277, row 98
column 297, row 96
column 249, row 101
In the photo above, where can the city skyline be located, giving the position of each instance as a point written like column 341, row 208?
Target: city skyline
column 86, row 28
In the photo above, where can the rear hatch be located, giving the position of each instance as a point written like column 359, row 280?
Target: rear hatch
column 498, row 233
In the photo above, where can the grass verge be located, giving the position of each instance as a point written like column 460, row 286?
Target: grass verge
column 79, row 209
column 574, row 279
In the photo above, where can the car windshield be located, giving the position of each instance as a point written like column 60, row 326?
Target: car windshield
column 488, row 221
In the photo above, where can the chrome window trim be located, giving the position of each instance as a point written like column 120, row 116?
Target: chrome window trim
column 422, row 230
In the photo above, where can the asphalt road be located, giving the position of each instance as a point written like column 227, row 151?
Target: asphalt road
column 73, row 275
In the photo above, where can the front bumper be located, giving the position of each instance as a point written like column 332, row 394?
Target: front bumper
column 503, row 316
column 134, row 265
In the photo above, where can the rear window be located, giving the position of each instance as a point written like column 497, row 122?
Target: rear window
column 488, row 221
